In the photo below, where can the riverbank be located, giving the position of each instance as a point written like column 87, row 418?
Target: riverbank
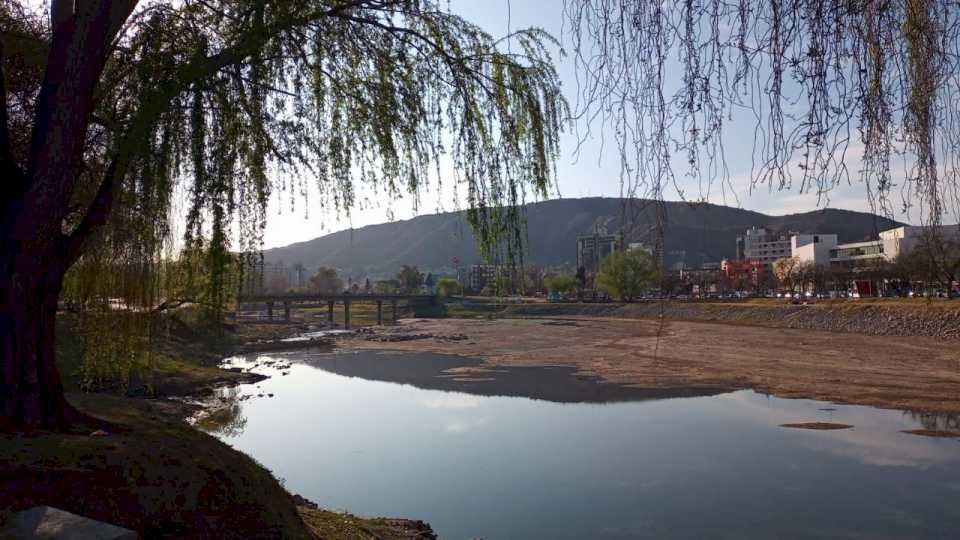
column 920, row 374
column 153, row 473
column 938, row 318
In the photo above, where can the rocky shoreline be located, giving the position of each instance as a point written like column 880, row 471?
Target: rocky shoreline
column 939, row 319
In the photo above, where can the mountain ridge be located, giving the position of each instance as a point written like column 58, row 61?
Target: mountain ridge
column 695, row 233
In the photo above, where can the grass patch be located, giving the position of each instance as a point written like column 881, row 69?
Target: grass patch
column 153, row 474
column 327, row 524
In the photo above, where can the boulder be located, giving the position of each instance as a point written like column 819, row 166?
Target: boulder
column 51, row 523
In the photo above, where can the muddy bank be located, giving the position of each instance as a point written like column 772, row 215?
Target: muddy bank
column 917, row 374
column 940, row 318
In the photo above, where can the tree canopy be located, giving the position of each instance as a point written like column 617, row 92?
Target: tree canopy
column 624, row 274
column 326, row 281
column 448, row 287
column 115, row 110
column 410, row 278
column 560, row 283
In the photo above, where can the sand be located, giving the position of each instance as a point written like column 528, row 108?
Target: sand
column 910, row 373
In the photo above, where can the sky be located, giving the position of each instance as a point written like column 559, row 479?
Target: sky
column 595, row 172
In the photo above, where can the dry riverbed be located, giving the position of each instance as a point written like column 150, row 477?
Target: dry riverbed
column 688, row 358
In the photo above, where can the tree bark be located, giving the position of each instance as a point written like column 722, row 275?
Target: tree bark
column 31, row 393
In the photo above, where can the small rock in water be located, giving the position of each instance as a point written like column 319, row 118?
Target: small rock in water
column 269, row 395
column 259, row 395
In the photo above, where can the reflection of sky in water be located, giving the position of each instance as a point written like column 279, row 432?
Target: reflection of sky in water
column 876, row 439
column 499, row 467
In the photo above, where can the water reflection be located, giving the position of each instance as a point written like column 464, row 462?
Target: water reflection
column 933, row 421
column 876, row 439
column 511, row 467
column 225, row 416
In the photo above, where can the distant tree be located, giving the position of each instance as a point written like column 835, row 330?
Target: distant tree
column 326, row 281
column 448, row 287
column 624, row 274
column 429, row 281
column 670, row 283
column 533, row 279
column 366, row 286
column 387, row 286
column 581, row 278
column 503, row 285
column 410, row 278
column 560, row 283
column 785, row 270
column 937, row 257
column 739, row 282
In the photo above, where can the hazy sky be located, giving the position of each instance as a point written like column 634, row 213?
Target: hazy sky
column 595, row 173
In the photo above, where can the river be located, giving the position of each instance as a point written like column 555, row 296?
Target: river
column 340, row 430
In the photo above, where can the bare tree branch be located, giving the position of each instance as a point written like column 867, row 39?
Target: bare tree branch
column 96, row 215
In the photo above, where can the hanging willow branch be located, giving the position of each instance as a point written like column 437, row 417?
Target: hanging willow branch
column 839, row 91
column 223, row 103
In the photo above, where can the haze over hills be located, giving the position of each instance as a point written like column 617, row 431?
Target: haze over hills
column 695, row 233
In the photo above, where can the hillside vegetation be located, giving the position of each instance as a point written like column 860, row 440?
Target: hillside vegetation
column 695, row 234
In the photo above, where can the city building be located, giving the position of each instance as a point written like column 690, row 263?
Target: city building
column 858, row 252
column 763, row 245
column 591, row 249
column 903, row 240
column 892, row 243
column 813, row 248
column 748, row 274
column 479, row 275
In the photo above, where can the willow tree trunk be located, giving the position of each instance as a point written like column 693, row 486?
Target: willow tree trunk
column 31, row 393
column 35, row 198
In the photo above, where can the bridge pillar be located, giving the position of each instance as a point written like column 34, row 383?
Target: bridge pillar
column 393, row 307
column 379, row 312
column 270, row 311
column 286, row 310
column 346, row 314
column 330, row 311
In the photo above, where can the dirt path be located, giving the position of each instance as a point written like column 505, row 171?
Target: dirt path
column 917, row 373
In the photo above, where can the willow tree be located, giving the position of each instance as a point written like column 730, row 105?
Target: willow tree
column 830, row 92
column 112, row 107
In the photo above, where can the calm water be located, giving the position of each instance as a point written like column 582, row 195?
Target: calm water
column 513, row 467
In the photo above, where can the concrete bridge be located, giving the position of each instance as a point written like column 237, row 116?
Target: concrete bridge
column 304, row 300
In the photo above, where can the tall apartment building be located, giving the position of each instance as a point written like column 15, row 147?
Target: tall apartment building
column 479, row 275
column 763, row 245
column 591, row 249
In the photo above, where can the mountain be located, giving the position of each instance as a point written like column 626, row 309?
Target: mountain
column 695, row 233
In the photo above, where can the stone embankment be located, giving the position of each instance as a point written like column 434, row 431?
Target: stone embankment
column 940, row 319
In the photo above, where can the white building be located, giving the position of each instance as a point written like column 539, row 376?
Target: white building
column 903, row 240
column 892, row 243
column 815, row 248
column 858, row 252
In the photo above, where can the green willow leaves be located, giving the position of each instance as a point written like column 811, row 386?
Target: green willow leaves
column 337, row 93
column 206, row 108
